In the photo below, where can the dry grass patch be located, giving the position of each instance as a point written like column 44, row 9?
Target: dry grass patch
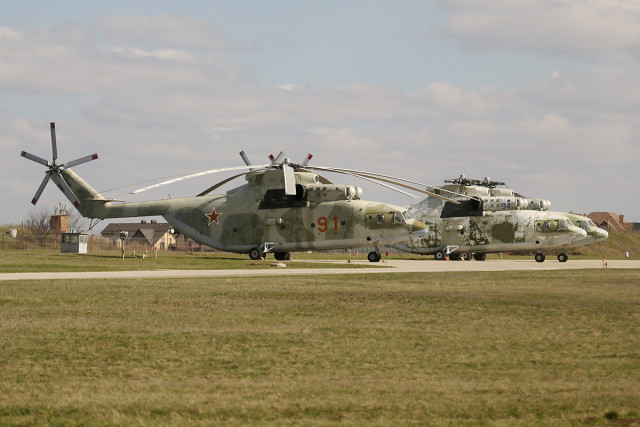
column 550, row 348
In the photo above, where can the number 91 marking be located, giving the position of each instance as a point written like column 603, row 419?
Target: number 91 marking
column 323, row 223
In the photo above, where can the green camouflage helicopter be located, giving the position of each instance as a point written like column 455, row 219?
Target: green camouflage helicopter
column 491, row 219
column 283, row 208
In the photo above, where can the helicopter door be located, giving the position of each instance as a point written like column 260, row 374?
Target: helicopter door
column 242, row 229
column 455, row 231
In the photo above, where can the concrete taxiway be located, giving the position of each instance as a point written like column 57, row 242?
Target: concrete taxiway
column 390, row 266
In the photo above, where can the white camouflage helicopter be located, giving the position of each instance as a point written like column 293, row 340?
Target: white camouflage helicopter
column 490, row 219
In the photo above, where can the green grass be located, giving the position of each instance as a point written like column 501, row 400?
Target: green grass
column 40, row 260
column 535, row 348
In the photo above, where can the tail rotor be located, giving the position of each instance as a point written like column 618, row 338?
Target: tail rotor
column 54, row 170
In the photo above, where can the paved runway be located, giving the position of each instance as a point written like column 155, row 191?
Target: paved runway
column 392, row 266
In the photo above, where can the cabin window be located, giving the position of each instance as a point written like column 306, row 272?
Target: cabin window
column 277, row 199
column 381, row 219
column 471, row 207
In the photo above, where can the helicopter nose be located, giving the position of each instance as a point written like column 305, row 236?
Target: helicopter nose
column 601, row 234
column 418, row 226
column 579, row 231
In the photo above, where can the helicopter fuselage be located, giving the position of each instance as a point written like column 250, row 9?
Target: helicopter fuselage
column 497, row 220
column 260, row 216
column 504, row 231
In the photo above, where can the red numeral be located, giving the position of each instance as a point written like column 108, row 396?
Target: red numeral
column 323, row 224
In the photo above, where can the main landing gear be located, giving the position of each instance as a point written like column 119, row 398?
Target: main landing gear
column 256, row 254
column 282, row 256
column 561, row 257
column 374, row 256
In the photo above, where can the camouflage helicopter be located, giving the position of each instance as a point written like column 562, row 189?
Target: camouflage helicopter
column 491, row 219
column 283, row 208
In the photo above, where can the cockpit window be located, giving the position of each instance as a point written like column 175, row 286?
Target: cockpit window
column 397, row 217
column 406, row 215
column 587, row 225
column 563, row 224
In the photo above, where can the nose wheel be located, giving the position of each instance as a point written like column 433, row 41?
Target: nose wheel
column 374, row 256
column 563, row 257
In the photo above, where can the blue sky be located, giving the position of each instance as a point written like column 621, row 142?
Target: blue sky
column 541, row 94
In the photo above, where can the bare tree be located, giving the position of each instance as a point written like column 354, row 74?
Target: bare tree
column 38, row 224
column 77, row 222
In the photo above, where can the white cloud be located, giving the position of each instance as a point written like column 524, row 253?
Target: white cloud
column 146, row 94
column 9, row 34
column 163, row 29
column 167, row 54
column 586, row 29
column 72, row 58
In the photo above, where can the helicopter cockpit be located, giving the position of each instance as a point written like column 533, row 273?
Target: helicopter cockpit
column 586, row 225
column 553, row 225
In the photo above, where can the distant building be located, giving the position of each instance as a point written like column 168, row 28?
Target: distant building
column 613, row 223
column 74, row 243
column 151, row 234
column 59, row 224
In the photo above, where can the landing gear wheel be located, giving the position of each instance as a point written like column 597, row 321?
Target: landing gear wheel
column 374, row 256
column 540, row 257
column 439, row 255
column 255, row 254
column 563, row 257
column 282, row 256
column 480, row 257
column 454, row 257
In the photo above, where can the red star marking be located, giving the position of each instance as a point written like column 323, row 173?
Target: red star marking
column 213, row 217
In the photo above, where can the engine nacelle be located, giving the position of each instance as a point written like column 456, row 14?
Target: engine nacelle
column 504, row 203
column 332, row 192
column 539, row 205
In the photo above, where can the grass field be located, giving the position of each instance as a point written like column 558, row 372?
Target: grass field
column 534, row 348
column 13, row 261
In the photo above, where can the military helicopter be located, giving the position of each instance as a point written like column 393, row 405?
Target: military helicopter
column 284, row 207
column 492, row 219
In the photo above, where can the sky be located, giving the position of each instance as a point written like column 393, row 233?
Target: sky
column 541, row 94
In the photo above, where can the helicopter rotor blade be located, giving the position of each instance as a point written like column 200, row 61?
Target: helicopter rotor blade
column 397, row 180
column 220, row 184
column 80, row 161
column 411, row 188
column 54, row 145
column 47, row 177
column 62, row 185
column 35, row 158
column 277, row 159
column 245, row 158
column 306, row 160
column 196, row 174
column 289, row 179
column 366, row 178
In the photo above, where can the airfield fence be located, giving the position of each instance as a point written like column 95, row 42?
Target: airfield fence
column 25, row 241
